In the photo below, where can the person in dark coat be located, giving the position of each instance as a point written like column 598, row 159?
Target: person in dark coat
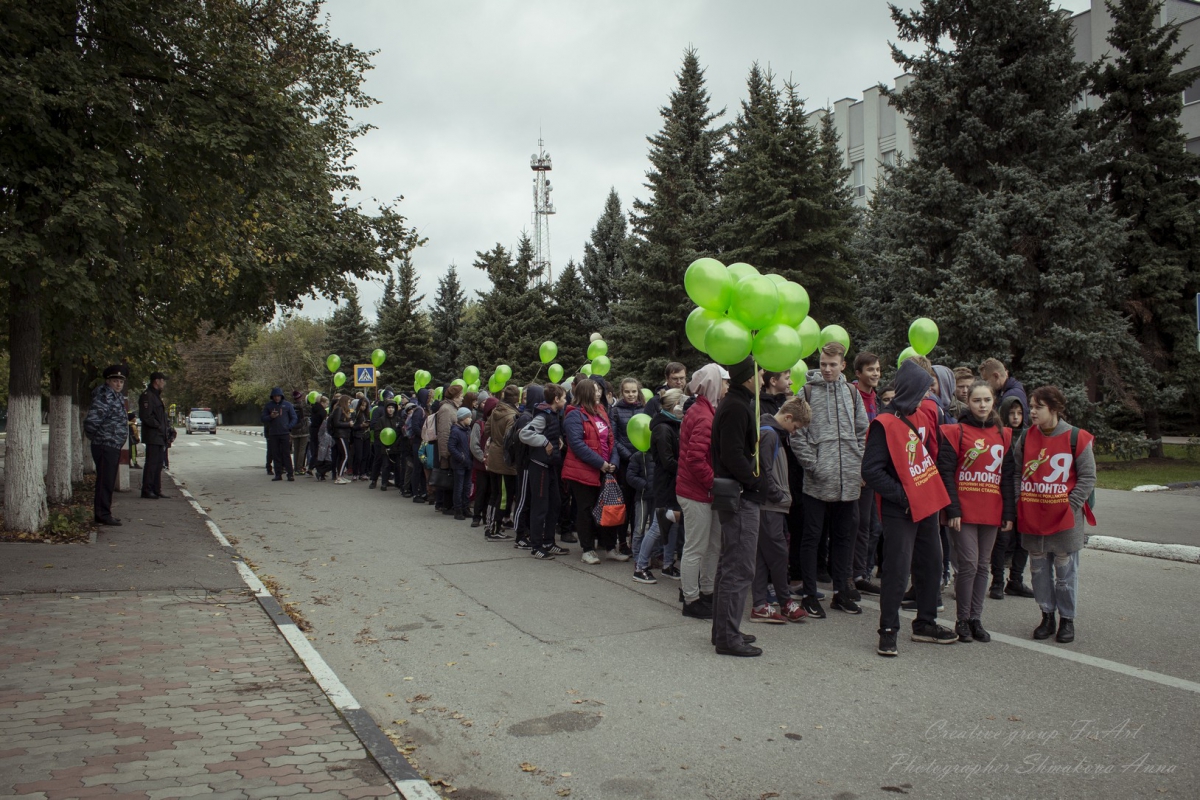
column 154, row 433
column 280, row 417
column 108, row 430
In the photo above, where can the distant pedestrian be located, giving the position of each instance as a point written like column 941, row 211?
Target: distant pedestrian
column 300, row 433
column 280, row 417
column 107, row 428
column 154, row 431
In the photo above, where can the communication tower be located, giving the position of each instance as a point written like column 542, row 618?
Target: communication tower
column 543, row 207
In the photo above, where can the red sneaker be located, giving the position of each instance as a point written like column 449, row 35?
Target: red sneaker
column 794, row 612
column 767, row 613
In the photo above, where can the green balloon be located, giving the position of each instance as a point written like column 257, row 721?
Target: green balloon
column 601, row 365
column 728, row 341
column 755, row 302
column 739, row 271
column 777, row 347
column 638, row 431
column 437, row 393
column 474, row 387
column 923, row 335
column 426, row 377
column 596, row 349
column 313, row 397
column 378, row 357
column 547, row 352
column 471, row 374
column 339, row 378
column 709, row 284
column 810, row 336
column 776, row 279
column 905, row 355
column 835, row 333
column 799, row 376
column 793, row 304
column 333, row 362
column 586, row 369
column 555, row 372
column 647, row 395
column 495, row 384
column 504, row 371
column 388, row 436
column 698, row 323
column 459, row 382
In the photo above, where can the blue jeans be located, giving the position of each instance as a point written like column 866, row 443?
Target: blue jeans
column 653, row 540
column 462, row 488
column 1055, row 582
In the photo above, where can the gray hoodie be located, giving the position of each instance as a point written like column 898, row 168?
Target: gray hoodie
column 830, row 449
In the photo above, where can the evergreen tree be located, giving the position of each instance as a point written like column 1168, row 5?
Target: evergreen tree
column 671, row 229
column 783, row 208
column 348, row 336
column 572, row 320
column 604, row 259
column 510, row 322
column 446, row 319
column 1149, row 181
column 987, row 229
column 402, row 330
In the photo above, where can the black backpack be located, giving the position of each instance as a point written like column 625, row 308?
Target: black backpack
column 516, row 452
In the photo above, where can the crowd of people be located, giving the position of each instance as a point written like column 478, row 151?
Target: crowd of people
column 744, row 487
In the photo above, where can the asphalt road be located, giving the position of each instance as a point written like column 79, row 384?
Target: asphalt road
column 517, row 678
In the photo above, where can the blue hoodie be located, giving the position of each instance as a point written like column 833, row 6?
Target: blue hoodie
column 279, row 415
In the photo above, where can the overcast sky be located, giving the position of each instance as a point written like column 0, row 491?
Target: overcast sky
column 465, row 88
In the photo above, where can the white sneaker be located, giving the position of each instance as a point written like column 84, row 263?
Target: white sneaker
column 617, row 555
column 590, row 557
column 341, row 482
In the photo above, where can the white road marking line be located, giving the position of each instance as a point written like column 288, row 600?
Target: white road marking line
column 243, row 444
column 1062, row 652
column 215, row 443
column 328, row 680
column 193, row 444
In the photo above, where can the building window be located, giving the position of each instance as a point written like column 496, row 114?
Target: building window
column 889, row 158
column 856, row 178
column 1193, row 146
column 1192, row 93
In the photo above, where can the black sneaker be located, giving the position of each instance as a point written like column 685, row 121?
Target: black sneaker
column 963, row 629
column 568, row 538
column 644, row 576
column 854, row 594
column 522, row 544
column 996, row 592
column 624, row 549
column 1018, row 589
column 978, row 633
column 866, row 587
column 671, row 572
column 475, row 523
column 933, row 633
column 908, row 605
column 812, row 607
column 698, row 609
column 497, row 537
column 840, row 603
column 542, row 554
column 887, row 643
column 555, row 550
column 372, row 484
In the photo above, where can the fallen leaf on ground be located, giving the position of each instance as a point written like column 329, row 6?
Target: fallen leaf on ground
column 527, row 767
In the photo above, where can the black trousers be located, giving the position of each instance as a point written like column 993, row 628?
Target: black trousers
column 502, row 489
column 388, row 467
column 482, row 494
column 914, row 547
column 543, row 500
column 843, row 531
column 586, row 529
column 279, row 450
column 378, row 456
column 106, row 460
column 1009, row 543
column 152, row 469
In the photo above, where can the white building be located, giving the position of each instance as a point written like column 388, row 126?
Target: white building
column 872, row 133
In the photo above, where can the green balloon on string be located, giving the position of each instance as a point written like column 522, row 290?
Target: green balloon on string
column 793, row 304
column 601, row 365
column 739, row 271
column 755, row 302
column 728, row 341
column 835, row 333
column 378, row 357
column 586, row 369
column 555, row 371
column 638, row 431
column 810, row 336
column 332, row 362
column 923, row 335
column 459, row 382
column 313, row 397
column 339, row 378
column 777, row 347
column 505, row 372
column 388, row 436
column 471, row 374
column 697, row 325
column 905, row 355
column 437, row 393
column 596, row 349
column 647, row 395
column 547, row 352
column 799, row 376
column 708, row 284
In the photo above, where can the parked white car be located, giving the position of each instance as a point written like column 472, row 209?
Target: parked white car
column 200, row 420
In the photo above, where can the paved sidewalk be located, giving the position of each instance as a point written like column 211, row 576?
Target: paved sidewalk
column 141, row 667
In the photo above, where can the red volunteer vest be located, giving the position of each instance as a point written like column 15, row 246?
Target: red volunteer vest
column 926, row 419
column 1047, row 478
column 915, row 467
column 977, row 471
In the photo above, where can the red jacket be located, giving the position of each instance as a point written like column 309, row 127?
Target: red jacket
column 574, row 467
column 695, row 477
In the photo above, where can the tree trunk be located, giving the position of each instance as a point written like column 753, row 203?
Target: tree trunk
column 79, row 447
column 58, row 460
column 24, row 487
column 1153, row 430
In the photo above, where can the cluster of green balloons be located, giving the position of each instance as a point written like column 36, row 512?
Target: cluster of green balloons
column 597, row 354
column 741, row 312
column 378, row 357
column 638, row 431
column 922, row 338
column 421, row 379
column 499, row 378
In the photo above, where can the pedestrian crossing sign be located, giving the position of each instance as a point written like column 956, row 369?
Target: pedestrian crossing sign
column 364, row 375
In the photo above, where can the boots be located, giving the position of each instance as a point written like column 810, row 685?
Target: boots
column 996, row 592
column 1066, row 631
column 1046, row 629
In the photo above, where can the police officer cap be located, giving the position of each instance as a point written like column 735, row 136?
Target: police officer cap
column 114, row 371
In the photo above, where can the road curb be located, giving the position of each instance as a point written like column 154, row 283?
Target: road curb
column 395, row 766
column 1184, row 485
column 1168, row 552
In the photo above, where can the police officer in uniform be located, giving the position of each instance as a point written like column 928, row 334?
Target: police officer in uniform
column 108, row 430
column 154, row 432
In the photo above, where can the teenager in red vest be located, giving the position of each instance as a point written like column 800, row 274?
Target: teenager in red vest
column 899, row 466
column 975, row 460
column 591, row 454
column 1057, row 476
